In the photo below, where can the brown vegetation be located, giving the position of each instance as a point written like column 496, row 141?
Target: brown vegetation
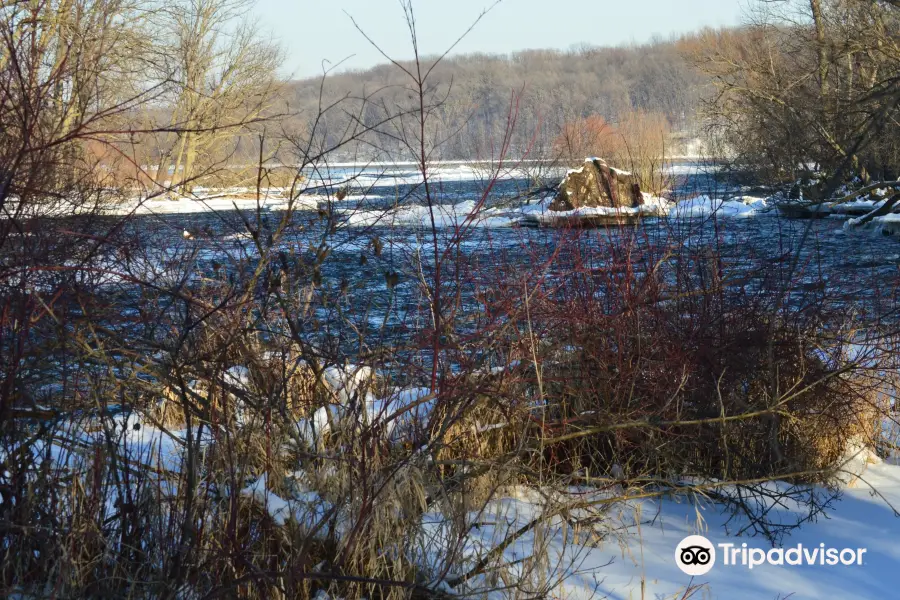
column 639, row 142
column 807, row 90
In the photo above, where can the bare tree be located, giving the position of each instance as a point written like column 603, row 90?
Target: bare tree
column 222, row 78
column 809, row 87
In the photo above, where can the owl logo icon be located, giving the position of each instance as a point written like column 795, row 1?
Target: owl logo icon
column 695, row 555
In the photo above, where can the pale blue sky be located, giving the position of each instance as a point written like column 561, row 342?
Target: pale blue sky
column 316, row 30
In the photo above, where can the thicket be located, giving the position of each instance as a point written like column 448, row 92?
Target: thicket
column 807, row 93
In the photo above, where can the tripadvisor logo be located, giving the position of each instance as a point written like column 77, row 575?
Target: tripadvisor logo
column 696, row 555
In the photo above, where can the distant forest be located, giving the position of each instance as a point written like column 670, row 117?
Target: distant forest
column 472, row 97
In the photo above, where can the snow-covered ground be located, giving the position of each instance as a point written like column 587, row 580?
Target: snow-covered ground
column 637, row 560
column 445, row 215
column 414, row 215
column 634, row 557
column 468, row 213
column 644, row 567
column 366, row 175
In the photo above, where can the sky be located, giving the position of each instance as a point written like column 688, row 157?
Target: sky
column 318, row 34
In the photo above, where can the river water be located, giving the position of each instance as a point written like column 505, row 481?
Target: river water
column 370, row 282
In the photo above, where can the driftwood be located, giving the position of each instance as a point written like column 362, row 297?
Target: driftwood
column 882, row 210
column 895, row 185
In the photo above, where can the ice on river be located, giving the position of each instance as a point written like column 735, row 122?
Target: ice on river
column 207, row 201
column 705, row 206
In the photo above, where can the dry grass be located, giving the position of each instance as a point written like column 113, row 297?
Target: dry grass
column 766, row 407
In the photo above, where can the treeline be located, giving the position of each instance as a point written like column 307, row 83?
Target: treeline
column 473, row 97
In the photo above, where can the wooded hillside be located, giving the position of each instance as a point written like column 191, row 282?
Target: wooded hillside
column 474, row 94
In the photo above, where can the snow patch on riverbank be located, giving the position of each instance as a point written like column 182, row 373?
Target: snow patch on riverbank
column 360, row 180
column 632, row 558
column 400, row 174
column 214, row 201
column 454, row 215
column 635, row 557
column 652, row 207
column 444, row 215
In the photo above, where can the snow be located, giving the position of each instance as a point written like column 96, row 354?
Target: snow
column 347, row 381
column 540, row 213
column 637, row 558
column 550, row 217
column 890, row 219
column 364, row 176
column 593, row 159
column 856, row 205
column 866, row 202
column 70, row 446
column 238, row 376
column 217, row 201
column 705, row 206
column 445, row 215
column 304, row 507
column 398, row 416
column 403, row 413
column 691, row 168
column 277, row 507
column 888, row 224
column 634, row 558
column 396, row 174
column 645, row 562
column 468, row 213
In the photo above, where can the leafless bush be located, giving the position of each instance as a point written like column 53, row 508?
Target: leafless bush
column 638, row 141
column 644, row 149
